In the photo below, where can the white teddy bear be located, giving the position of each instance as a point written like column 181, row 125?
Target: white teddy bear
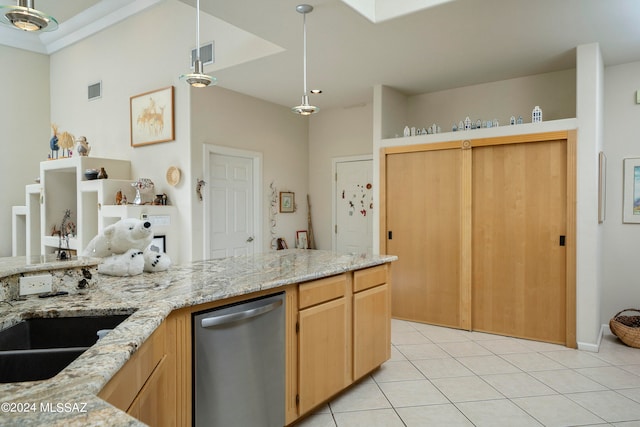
column 125, row 247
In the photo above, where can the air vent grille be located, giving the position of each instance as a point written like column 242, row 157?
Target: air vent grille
column 207, row 54
column 94, row 91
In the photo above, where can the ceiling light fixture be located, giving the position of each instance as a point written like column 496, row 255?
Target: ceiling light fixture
column 25, row 17
column 304, row 109
column 198, row 78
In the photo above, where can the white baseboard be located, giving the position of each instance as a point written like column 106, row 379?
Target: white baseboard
column 594, row 348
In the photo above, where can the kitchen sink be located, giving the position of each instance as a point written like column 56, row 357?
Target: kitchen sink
column 39, row 348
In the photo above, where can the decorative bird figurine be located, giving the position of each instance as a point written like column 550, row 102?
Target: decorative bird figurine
column 53, row 142
column 83, row 146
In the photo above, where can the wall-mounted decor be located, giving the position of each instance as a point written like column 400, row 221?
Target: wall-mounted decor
column 602, row 186
column 631, row 204
column 152, row 117
column 287, row 202
column 302, row 241
column 158, row 244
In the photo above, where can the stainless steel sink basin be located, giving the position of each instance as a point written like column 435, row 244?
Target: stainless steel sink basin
column 39, row 348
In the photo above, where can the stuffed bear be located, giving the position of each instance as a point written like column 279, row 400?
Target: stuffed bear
column 125, row 247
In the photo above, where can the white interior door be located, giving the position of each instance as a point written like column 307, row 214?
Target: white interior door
column 230, row 205
column 354, row 206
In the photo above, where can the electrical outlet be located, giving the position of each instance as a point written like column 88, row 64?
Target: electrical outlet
column 30, row 285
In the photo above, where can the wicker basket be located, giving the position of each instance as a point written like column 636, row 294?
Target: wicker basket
column 627, row 328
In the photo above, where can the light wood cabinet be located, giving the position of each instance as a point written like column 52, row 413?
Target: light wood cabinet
column 141, row 387
column 323, row 340
column 371, row 320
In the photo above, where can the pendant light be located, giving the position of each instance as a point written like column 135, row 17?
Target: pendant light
column 198, row 78
column 304, row 109
column 25, row 17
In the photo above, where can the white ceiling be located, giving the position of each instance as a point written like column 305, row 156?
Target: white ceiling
column 453, row 44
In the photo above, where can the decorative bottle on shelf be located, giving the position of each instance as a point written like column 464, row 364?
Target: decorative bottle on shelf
column 102, row 174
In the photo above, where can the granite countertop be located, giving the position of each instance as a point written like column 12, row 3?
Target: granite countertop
column 150, row 297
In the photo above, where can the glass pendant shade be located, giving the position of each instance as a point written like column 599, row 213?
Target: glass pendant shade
column 24, row 17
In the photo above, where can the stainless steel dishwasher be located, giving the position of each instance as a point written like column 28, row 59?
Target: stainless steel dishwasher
column 238, row 364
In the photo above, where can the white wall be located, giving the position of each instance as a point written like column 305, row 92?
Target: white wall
column 339, row 132
column 24, row 120
column 620, row 287
column 226, row 118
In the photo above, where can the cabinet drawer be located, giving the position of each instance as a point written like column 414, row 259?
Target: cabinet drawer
column 365, row 279
column 322, row 290
column 123, row 388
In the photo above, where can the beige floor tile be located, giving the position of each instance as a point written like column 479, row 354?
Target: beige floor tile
column 504, row 346
column 401, row 370
column 375, row 418
column 442, row 368
column 634, row 369
column 608, row 405
column 433, row 415
column 439, row 334
column 497, row 413
column 611, row 376
column 556, row 411
column 401, row 326
column 530, row 362
column 464, row 349
column 361, row 397
column 409, row 337
column 464, row 389
column 485, row 365
column 567, row 381
column 317, row 420
column 422, row 351
column 631, row 393
column 575, row 358
column 412, row 393
column 396, row 354
column 517, row 385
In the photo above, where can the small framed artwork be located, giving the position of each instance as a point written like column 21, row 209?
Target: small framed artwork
column 152, row 118
column 287, row 202
column 302, row 239
column 631, row 198
column 158, row 244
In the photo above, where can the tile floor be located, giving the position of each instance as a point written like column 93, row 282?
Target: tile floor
column 446, row 377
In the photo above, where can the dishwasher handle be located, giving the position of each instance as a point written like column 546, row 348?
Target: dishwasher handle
column 234, row 317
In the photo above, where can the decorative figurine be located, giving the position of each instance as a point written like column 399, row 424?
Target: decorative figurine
column 83, row 146
column 66, row 143
column 467, row 123
column 53, row 142
column 102, row 174
column 407, row 131
column 520, row 121
column 512, row 120
column 536, row 115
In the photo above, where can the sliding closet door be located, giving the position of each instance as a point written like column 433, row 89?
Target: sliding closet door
column 423, row 229
column 519, row 195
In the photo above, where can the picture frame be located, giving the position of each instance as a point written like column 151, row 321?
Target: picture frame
column 302, row 239
column 158, row 244
column 631, row 191
column 287, row 202
column 152, row 117
column 602, row 186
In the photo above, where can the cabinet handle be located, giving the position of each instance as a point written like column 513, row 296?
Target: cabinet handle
column 234, row 317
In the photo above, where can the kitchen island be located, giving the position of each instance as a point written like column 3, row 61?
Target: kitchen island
column 71, row 397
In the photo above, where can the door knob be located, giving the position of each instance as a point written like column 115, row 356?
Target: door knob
column 250, row 239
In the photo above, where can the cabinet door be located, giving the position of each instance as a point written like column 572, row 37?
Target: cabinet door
column 371, row 329
column 423, row 216
column 519, row 264
column 150, row 405
column 322, row 352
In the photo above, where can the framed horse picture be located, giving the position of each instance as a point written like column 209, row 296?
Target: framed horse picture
column 152, row 117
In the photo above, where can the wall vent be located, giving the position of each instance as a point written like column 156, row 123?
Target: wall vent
column 207, row 54
column 94, row 91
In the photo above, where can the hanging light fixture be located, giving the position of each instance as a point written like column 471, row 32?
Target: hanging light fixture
column 25, row 17
column 198, row 78
column 304, row 109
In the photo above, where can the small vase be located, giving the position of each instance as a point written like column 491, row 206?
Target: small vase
column 102, row 174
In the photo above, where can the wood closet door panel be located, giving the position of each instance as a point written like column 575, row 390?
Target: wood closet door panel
column 423, row 215
column 519, row 196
